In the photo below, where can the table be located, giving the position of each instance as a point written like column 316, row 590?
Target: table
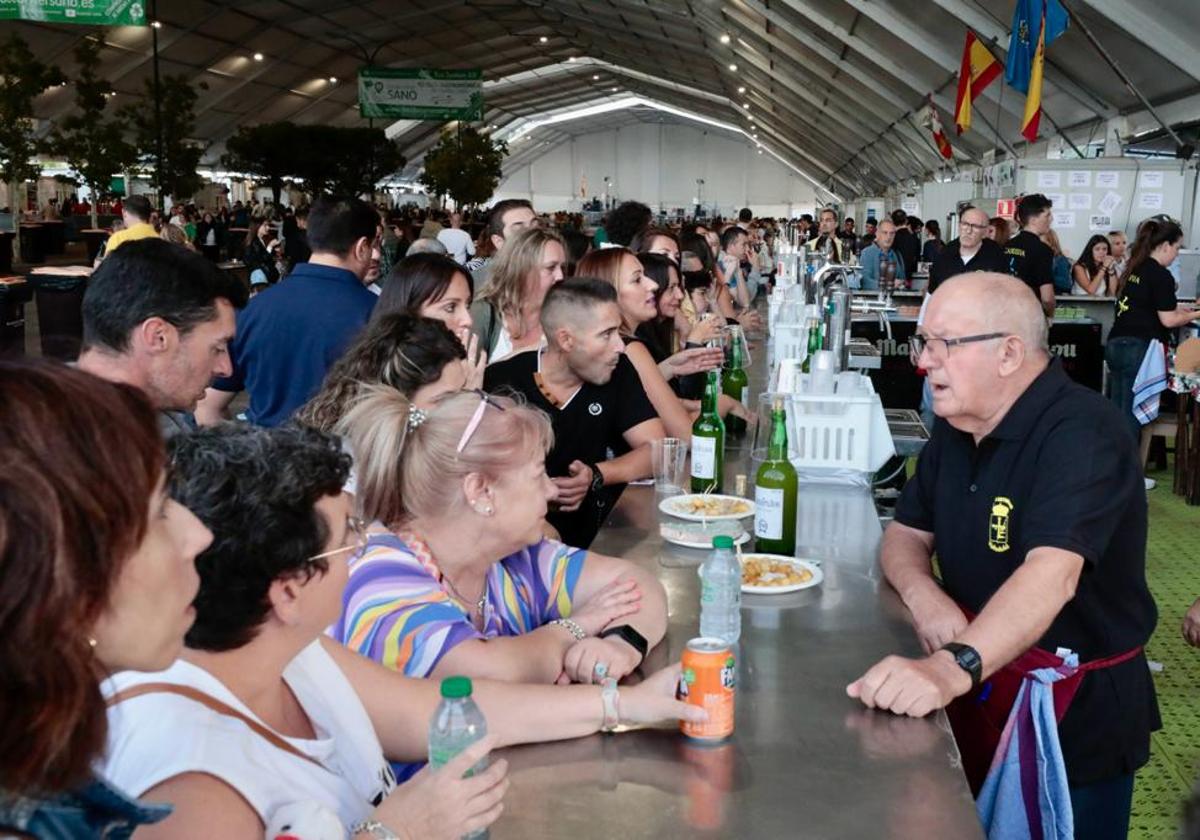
column 33, row 242
column 805, row 760
column 58, row 293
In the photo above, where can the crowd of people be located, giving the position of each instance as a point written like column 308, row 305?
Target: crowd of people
column 248, row 614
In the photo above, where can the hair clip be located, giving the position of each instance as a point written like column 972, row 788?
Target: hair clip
column 416, row 417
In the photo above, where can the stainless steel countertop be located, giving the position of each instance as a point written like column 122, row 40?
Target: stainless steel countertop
column 805, row 761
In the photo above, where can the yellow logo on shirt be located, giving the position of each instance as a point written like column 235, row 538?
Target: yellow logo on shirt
column 998, row 524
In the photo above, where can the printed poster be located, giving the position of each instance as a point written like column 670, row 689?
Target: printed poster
column 1108, row 180
column 1109, row 203
column 1064, row 219
column 1080, row 201
column 1100, row 223
column 1079, row 178
column 1150, row 181
column 1150, row 201
column 1049, row 180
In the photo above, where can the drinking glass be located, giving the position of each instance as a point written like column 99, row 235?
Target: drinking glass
column 668, row 457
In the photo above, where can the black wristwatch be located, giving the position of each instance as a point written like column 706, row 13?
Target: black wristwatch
column 967, row 658
column 635, row 639
column 597, row 479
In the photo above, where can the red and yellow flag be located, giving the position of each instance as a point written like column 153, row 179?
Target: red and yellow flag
column 1033, row 99
column 979, row 69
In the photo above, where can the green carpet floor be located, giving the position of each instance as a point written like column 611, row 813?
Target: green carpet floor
column 1164, row 784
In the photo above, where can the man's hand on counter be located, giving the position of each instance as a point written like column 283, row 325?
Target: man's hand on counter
column 937, row 620
column 913, row 687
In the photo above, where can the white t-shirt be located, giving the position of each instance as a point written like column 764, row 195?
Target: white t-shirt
column 458, row 244
column 157, row 736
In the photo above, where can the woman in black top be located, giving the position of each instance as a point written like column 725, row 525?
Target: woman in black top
column 1146, row 310
column 934, row 244
column 259, row 241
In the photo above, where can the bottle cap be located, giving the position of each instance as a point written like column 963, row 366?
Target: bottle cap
column 456, row 687
column 719, row 541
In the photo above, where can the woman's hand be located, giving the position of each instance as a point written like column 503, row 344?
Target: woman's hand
column 475, row 362
column 692, row 360
column 579, row 663
column 620, row 598
column 442, row 804
column 654, row 700
column 706, row 329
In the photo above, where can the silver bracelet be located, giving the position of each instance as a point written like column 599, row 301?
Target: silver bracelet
column 610, row 697
column 573, row 628
column 374, row 828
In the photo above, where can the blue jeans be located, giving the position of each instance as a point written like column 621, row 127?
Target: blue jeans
column 1124, row 356
column 1102, row 809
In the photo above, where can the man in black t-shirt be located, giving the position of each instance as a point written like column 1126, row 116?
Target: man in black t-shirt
column 595, row 400
column 1030, row 494
column 1030, row 259
column 906, row 244
column 972, row 251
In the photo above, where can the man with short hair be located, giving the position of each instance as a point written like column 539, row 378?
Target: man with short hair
column 907, row 244
column 881, row 251
column 627, row 222
column 161, row 318
column 745, row 217
column 1029, row 259
column 971, row 251
column 507, row 217
column 1118, row 245
column 827, row 236
column 289, row 335
column 136, row 216
column 457, row 241
column 734, row 243
column 1030, row 494
column 582, row 379
column 870, row 226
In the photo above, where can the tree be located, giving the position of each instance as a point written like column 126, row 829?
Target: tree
column 92, row 145
column 465, row 165
column 175, row 174
column 364, row 157
column 22, row 79
column 267, row 151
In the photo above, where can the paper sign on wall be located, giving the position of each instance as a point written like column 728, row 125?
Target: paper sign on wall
column 1049, row 180
column 1064, row 219
column 1079, row 178
column 1150, row 201
column 1150, row 181
column 1108, row 180
column 910, row 206
column 1057, row 199
column 1100, row 223
column 1080, row 201
column 1109, row 203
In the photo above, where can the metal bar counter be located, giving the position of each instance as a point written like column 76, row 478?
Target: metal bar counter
column 805, row 761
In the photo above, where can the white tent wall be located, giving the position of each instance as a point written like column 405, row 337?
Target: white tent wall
column 658, row 164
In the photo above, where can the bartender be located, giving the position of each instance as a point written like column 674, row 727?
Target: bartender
column 1030, row 494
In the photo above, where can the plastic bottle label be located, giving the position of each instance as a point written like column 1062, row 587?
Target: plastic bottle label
column 746, row 398
column 768, row 518
column 704, row 457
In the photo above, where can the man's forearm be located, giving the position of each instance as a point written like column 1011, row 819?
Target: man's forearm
column 632, row 466
column 905, row 559
column 1047, row 295
column 1023, row 609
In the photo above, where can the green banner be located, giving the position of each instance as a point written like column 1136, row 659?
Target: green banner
column 420, row 94
column 92, row 12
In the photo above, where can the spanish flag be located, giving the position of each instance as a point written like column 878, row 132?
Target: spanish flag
column 979, row 69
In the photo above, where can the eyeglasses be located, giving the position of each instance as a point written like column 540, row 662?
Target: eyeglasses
column 969, row 226
column 484, row 401
column 939, row 348
column 355, row 526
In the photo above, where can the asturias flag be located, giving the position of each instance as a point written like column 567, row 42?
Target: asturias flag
column 979, row 69
column 1036, row 25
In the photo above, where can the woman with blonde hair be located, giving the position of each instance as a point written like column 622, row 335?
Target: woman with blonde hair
column 456, row 576
column 506, row 311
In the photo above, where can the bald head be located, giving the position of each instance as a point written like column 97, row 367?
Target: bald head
column 992, row 302
column 972, row 228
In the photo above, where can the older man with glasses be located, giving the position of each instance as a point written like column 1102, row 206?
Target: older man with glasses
column 972, row 251
column 1030, row 495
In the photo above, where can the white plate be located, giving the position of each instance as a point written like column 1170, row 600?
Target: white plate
column 817, row 576
column 674, row 507
column 741, row 540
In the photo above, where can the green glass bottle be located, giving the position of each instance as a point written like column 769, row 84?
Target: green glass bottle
column 708, row 441
column 775, row 490
column 736, row 384
column 814, row 343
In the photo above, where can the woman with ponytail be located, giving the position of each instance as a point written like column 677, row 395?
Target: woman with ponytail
column 1146, row 310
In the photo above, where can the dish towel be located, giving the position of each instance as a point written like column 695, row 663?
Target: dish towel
column 1025, row 795
column 1150, row 382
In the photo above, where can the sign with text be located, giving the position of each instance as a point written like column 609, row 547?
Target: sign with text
column 1006, row 208
column 93, row 12
column 420, row 94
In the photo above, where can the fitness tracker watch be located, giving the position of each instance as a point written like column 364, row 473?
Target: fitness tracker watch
column 597, row 479
column 628, row 635
column 967, row 658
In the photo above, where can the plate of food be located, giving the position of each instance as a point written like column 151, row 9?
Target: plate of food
column 773, row 574
column 707, row 507
column 700, row 534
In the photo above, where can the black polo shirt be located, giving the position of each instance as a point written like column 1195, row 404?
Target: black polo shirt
column 1058, row 471
column 1150, row 289
column 949, row 263
column 587, row 428
column 1031, row 260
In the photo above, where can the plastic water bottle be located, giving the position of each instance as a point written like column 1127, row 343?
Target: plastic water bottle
column 456, row 725
column 721, row 593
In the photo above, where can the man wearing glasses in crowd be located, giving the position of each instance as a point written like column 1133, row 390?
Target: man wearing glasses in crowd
column 1030, row 494
column 972, row 251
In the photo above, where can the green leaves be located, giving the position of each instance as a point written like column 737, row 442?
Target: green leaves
column 22, row 79
column 465, row 165
column 175, row 173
